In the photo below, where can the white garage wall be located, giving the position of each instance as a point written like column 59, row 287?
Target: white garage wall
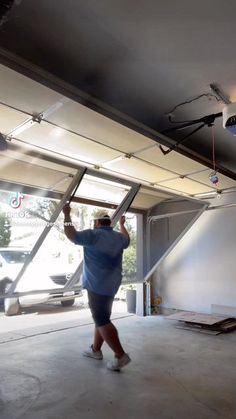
column 201, row 269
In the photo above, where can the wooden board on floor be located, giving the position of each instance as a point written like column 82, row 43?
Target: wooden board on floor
column 199, row 330
column 200, row 318
column 203, row 323
column 228, row 325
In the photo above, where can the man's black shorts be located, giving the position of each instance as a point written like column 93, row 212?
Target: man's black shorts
column 100, row 306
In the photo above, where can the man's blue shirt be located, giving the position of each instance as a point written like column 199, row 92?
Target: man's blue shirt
column 103, row 251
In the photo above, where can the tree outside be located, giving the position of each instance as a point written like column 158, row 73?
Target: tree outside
column 129, row 258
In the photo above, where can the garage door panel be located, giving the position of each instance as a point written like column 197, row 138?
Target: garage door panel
column 9, row 119
column 186, row 186
column 66, row 143
column 172, row 161
column 89, row 123
column 224, row 182
column 140, row 170
column 25, row 94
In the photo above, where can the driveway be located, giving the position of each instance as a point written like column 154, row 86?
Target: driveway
column 48, row 318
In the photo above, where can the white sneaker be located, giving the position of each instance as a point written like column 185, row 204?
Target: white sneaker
column 90, row 353
column 118, row 363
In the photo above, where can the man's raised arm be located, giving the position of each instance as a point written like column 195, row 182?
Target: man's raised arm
column 122, row 227
column 69, row 229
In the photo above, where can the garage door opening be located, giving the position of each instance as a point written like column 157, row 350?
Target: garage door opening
column 23, row 219
column 34, row 188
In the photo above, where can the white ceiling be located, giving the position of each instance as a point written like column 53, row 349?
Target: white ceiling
column 71, row 130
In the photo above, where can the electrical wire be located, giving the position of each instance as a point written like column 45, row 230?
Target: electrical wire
column 208, row 95
column 213, row 148
column 213, row 176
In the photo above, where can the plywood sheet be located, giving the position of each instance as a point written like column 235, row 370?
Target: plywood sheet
column 199, row 330
column 193, row 317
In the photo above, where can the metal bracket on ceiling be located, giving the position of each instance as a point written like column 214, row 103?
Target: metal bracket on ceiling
column 36, row 118
column 207, row 120
column 220, row 94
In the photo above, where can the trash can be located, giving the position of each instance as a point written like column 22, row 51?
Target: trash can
column 131, row 301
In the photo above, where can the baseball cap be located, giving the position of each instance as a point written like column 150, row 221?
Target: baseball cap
column 102, row 216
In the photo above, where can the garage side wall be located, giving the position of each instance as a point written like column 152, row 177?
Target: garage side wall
column 201, row 269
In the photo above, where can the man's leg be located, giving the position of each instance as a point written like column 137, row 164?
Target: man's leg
column 109, row 334
column 105, row 328
column 101, row 307
column 98, row 340
column 94, row 350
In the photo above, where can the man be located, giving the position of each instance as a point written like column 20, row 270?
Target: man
column 102, row 275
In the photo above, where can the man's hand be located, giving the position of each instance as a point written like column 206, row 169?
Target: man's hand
column 66, row 210
column 122, row 227
column 122, row 220
column 69, row 229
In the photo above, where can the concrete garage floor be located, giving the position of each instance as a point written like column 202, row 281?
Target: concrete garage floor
column 174, row 374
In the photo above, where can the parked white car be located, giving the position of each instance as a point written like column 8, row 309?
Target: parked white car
column 11, row 261
column 38, row 276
